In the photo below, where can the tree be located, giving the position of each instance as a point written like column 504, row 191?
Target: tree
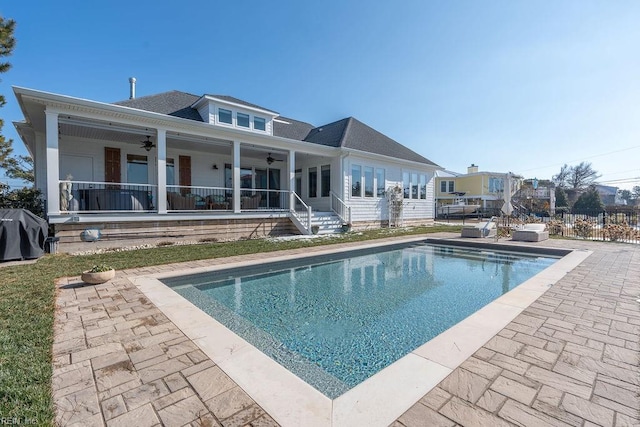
column 625, row 195
column 576, row 177
column 561, row 198
column 635, row 192
column 561, row 178
column 588, row 202
column 16, row 167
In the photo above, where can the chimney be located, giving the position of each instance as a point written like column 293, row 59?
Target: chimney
column 132, row 87
column 472, row 169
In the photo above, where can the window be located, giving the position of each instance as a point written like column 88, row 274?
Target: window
column 313, row 182
column 496, row 185
column 414, row 186
column 443, row 186
column 368, row 181
column 380, row 183
column 259, row 123
column 137, row 169
column 325, row 180
column 171, row 172
column 405, row 185
column 224, row 116
column 356, row 178
column 451, row 186
column 423, row 186
column 243, row 120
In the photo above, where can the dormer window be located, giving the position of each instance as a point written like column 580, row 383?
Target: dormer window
column 231, row 113
column 224, row 116
column 259, row 123
column 243, row 120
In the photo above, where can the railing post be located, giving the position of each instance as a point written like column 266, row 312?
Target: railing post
column 309, row 218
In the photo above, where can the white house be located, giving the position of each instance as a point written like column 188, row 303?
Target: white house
column 211, row 166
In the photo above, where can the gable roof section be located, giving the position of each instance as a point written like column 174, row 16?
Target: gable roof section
column 173, row 103
column 352, row 133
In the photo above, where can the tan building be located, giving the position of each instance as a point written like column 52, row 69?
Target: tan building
column 482, row 188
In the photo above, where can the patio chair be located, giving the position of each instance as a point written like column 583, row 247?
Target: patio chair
column 531, row 233
column 252, row 202
column 482, row 229
column 179, row 202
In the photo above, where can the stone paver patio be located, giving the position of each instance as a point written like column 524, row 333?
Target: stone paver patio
column 571, row 358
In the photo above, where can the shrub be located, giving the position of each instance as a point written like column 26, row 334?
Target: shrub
column 555, row 227
column 621, row 231
column 584, row 227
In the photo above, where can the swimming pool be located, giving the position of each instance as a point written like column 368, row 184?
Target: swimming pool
column 338, row 319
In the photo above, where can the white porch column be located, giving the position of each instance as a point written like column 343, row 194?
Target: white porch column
column 292, row 179
column 162, row 171
column 236, row 176
column 53, row 163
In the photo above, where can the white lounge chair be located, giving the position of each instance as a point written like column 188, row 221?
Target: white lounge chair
column 531, row 233
column 482, row 229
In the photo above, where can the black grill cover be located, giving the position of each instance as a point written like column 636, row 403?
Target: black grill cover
column 22, row 234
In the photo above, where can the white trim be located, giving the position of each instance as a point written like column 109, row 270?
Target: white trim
column 161, row 203
column 53, row 162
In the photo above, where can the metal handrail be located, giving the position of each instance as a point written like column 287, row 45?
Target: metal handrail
column 339, row 207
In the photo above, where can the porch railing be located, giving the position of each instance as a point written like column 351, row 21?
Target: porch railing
column 261, row 199
column 192, row 198
column 301, row 213
column 340, row 208
column 88, row 196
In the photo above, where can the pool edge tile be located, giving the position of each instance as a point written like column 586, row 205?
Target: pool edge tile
column 380, row 399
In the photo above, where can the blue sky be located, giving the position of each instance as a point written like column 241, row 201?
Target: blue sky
column 517, row 86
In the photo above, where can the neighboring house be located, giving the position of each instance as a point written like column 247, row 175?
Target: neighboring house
column 486, row 189
column 537, row 196
column 177, row 164
column 609, row 195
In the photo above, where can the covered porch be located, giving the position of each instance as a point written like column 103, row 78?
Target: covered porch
column 99, row 170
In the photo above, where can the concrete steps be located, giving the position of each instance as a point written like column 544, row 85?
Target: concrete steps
column 327, row 222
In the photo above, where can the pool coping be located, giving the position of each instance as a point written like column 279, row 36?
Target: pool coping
column 378, row 400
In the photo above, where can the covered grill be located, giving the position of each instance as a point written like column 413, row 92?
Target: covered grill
column 22, row 235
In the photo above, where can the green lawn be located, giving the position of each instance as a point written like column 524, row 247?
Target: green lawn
column 27, row 308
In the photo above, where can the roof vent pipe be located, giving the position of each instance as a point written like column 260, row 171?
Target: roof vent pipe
column 132, row 87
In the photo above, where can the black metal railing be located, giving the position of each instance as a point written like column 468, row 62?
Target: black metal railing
column 613, row 224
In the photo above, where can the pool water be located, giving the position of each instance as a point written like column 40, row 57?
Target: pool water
column 337, row 320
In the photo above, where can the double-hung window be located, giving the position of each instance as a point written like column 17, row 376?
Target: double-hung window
column 259, row 123
column 356, row 181
column 368, row 181
column 225, row 116
column 243, row 120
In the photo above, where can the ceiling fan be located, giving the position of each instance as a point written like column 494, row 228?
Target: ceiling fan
column 148, row 144
column 270, row 159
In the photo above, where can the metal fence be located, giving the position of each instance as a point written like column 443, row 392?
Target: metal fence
column 616, row 225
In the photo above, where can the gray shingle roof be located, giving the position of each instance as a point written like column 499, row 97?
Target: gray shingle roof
column 347, row 133
column 352, row 133
column 173, row 103
column 293, row 129
column 241, row 102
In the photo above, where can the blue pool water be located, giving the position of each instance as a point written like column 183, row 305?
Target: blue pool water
column 337, row 320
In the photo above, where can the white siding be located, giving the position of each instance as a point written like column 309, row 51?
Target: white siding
column 376, row 208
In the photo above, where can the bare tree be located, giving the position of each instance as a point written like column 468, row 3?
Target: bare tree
column 561, row 178
column 576, row 177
